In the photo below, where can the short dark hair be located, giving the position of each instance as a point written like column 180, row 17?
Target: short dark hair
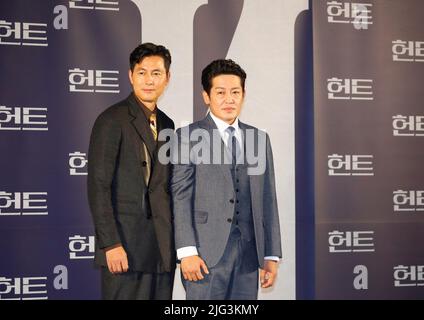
column 218, row 67
column 149, row 49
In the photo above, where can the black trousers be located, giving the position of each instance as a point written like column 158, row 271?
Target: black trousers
column 133, row 285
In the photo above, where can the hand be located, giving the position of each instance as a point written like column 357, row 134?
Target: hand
column 116, row 258
column 191, row 268
column 268, row 274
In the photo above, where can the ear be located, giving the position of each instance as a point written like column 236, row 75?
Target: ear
column 130, row 76
column 168, row 77
column 206, row 98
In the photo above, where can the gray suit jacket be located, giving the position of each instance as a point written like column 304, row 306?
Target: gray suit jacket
column 203, row 198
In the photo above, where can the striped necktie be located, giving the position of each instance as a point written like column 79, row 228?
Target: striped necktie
column 152, row 122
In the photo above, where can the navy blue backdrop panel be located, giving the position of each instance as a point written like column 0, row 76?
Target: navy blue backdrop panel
column 369, row 134
column 57, row 73
column 304, row 144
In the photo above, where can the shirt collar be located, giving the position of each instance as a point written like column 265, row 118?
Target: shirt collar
column 222, row 125
column 147, row 112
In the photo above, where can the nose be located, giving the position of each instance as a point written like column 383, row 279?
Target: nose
column 149, row 79
column 229, row 98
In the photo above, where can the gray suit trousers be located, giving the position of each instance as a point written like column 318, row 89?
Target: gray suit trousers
column 233, row 278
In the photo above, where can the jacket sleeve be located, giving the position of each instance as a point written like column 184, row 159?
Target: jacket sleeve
column 182, row 190
column 271, row 221
column 102, row 158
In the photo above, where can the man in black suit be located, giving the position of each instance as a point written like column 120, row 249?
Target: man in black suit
column 128, row 186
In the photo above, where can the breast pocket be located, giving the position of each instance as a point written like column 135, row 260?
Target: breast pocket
column 200, row 217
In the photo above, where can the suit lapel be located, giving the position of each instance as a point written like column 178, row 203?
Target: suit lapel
column 255, row 195
column 141, row 125
column 157, row 167
column 208, row 124
column 160, row 122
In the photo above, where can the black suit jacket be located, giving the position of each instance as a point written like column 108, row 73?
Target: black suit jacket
column 128, row 189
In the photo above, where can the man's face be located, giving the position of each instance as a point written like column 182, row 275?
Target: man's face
column 226, row 97
column 149, row 79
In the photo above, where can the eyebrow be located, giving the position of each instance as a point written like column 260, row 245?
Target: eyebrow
column 144, row 69
column 219, row 88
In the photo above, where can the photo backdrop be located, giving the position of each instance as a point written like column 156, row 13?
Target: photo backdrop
column 63, row 62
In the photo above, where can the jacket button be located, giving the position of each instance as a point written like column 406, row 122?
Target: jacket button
column 232, row 201
column 230, row 220
column 144, row 163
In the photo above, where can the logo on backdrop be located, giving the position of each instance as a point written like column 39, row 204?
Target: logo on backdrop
column 23, row 33
column 90, row 81
column 408, row 126
column 408, row 51
column 360, row 281
column 23, row 203
column 81, row 247
column 23, row 118
column 78, row 164
column 408, row 200
column 94, row 5
column 359, row 14
column 350, row 89
column 32, row 288
column 350, row 165
column 408, row 276
column 350, row 241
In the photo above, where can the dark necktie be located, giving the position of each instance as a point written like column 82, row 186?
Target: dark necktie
column 232, row 143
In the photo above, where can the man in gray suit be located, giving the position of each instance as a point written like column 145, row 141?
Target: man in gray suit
column 225, row 212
